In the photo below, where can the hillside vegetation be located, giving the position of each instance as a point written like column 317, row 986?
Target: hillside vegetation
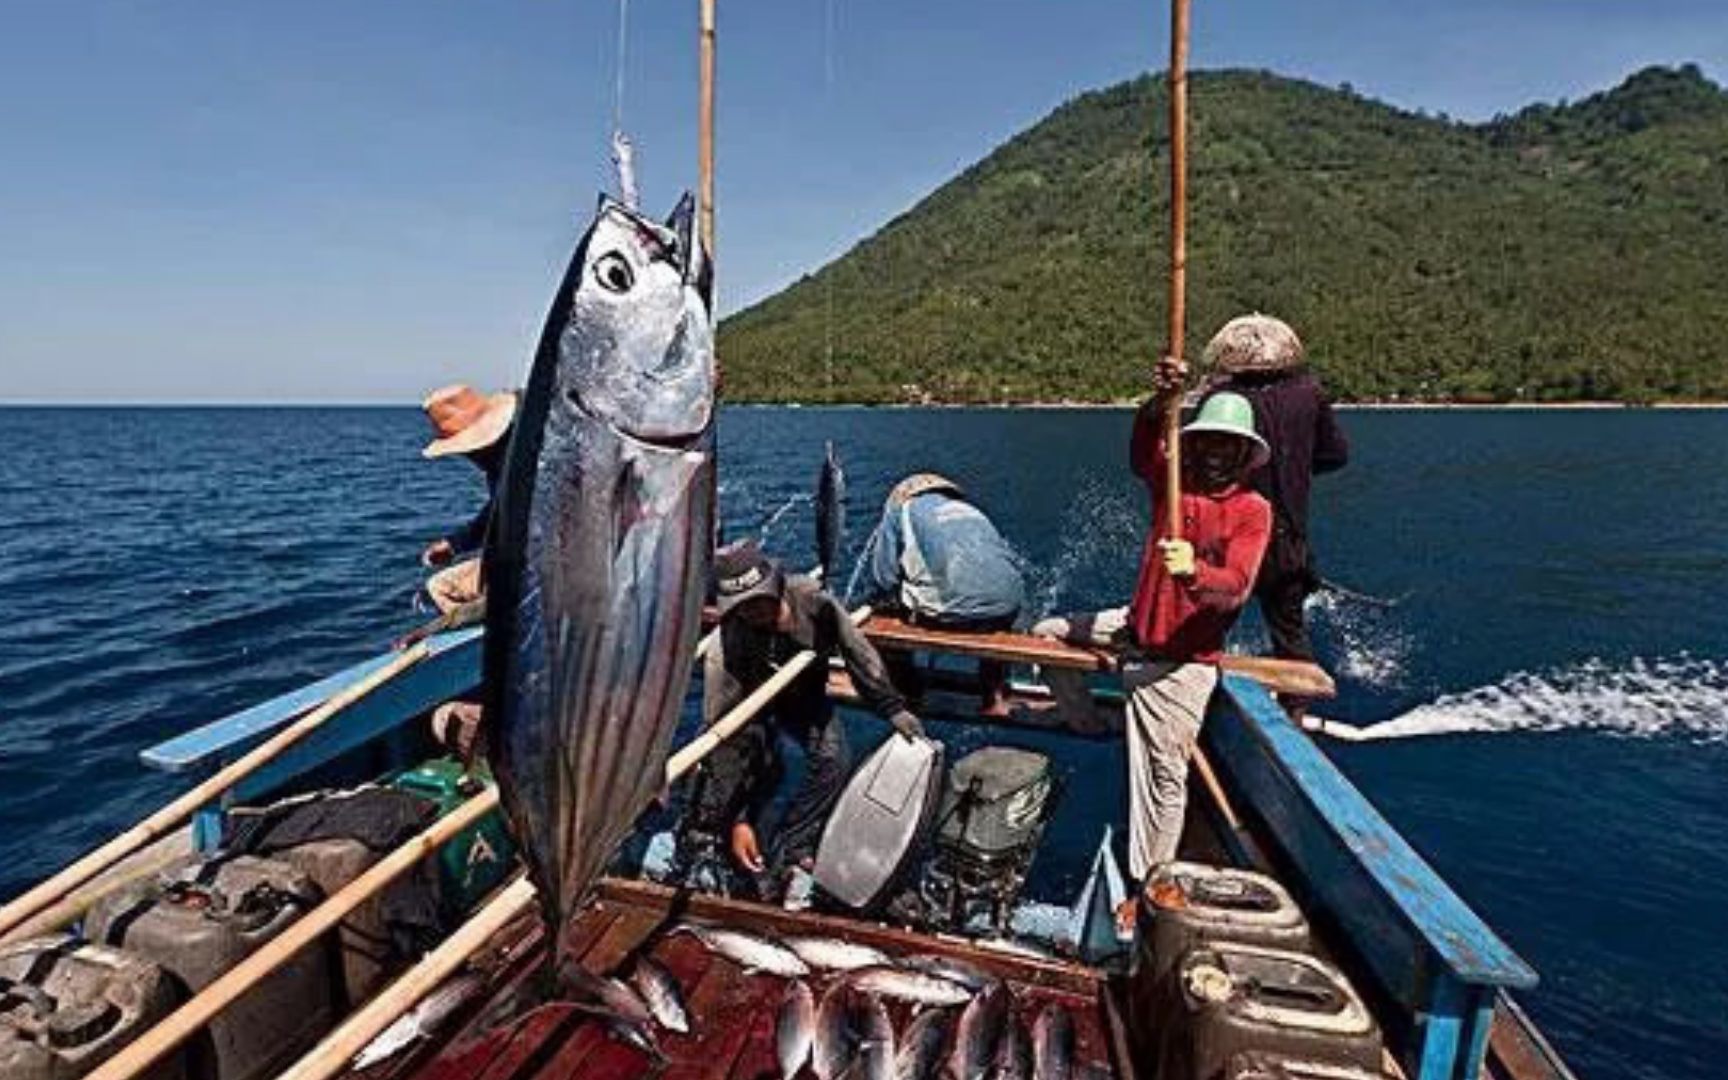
column 1568, row 251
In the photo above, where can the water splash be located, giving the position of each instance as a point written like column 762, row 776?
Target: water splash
column 766, row 529
column 1681, row 697
column 1371, row 645
column 1099, row 526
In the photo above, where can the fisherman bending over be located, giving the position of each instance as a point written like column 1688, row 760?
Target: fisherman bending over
column 937, row 561
column 767, row 618
column 1261, row 358
column 475, row 426
column 1189, row 592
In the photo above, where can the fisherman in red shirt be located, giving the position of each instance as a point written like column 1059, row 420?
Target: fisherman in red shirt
column 1189, row 593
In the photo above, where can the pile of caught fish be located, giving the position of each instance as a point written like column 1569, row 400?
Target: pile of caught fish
column 963, row 1021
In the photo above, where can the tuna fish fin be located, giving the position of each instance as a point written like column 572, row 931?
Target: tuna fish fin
column 682, row 221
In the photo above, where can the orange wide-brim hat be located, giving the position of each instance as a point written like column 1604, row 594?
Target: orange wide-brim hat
column 465, row 420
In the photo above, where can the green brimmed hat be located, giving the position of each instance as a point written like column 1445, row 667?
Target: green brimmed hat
column 1230, row 414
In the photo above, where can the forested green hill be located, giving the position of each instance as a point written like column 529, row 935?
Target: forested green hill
column 1568, row 251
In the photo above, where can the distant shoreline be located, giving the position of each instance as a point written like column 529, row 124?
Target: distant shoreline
column 1027, row 406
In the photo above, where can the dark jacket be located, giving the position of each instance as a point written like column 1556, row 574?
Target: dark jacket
column 1292, row 414
column 736, row 782
column 470, row 536
column 939, row 557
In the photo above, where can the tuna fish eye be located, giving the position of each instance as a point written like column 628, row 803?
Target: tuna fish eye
column 613, row 272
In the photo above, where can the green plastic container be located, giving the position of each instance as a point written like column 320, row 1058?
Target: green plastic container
column 476, row 860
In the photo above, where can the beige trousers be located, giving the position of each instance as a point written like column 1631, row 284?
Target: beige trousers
column 1166, row 705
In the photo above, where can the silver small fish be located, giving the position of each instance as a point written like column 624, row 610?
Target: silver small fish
column 662, row 994
column 1053, row 1044
column 921, row 1045
column 913, row 986
column 748, row 951
column 850, row 1026
column 832, row 954
column 979, row 1034
column 795, row 1028
column 422, row 1021
column 1014, row 1053
column 972, row 978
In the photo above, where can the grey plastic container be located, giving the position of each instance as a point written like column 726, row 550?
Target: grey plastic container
column 1233, row 999
column 65, row 1008
column 366, row 951
column 1187, row 904
column 994, row 801
column 878, row 820
column 202, row 921
column 1261, row 1066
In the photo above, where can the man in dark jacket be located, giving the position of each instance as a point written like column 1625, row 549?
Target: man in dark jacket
column 936, row 560
column 767, row 618
column 1262, row 359
column 476, row 426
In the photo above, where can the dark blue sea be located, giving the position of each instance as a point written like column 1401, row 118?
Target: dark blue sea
column 1533, row 615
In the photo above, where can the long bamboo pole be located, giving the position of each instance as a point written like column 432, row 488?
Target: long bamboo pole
column 146, row 863
column 176, row 812
column 191, row 1017
column 337, row 1049
column 745, row 711
column 705, row 127
column 1178, row 260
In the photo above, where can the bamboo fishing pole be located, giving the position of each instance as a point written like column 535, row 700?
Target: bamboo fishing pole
column 705, row 127
column 334, row 1052
column 177, row 812
column 745, row 711
column 1178, row 261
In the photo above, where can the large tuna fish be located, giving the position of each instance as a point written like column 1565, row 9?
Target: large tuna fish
column 598, row 557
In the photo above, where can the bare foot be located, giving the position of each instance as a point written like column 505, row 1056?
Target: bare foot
column 1126, row 914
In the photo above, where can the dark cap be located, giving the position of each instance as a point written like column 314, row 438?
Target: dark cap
column 742, row 572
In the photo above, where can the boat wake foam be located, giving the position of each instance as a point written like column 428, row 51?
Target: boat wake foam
column 1682, row 697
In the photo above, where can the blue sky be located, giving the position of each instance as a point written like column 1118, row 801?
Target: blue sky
column 325, row 201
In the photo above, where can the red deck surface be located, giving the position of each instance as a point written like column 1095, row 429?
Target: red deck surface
column 732, row 1014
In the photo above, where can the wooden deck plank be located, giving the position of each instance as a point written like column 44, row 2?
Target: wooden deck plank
column 517, row 1049
column 706, row 998
column 756, row 1058
column 620, row 940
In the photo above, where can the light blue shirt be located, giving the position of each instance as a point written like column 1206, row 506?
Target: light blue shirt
column 939, row 557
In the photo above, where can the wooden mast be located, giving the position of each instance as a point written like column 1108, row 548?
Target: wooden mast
column 1178, row 259
column 705, row 129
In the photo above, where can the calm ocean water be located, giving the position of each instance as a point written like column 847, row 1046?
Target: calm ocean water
column 1535, row 619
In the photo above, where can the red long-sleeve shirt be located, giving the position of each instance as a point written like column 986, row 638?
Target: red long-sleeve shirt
column 1186, row 619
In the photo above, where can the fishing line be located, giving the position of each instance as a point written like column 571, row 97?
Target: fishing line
column 618, row 69
column 828, row 116
column 623, row 152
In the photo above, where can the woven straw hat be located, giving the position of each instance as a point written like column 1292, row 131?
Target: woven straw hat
column 465, row 420
column 1254, row 343
column 919, row 483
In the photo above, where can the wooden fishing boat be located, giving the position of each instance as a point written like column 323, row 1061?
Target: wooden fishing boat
column 1436, row 978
